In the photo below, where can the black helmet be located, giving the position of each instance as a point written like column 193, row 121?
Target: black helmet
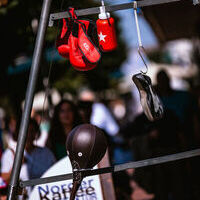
column 86, row 146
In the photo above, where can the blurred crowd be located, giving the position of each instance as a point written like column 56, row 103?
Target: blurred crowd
column 129, row 139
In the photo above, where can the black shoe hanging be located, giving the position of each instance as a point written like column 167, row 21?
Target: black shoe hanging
column 150, row 102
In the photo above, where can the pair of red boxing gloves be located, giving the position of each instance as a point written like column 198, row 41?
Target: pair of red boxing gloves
column 76, row 42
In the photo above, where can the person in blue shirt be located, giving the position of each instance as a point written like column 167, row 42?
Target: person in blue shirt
column 38, row 159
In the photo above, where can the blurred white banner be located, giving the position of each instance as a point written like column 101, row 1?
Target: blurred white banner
column 90, row 188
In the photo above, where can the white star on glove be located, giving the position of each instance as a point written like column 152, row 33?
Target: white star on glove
column 101, row 37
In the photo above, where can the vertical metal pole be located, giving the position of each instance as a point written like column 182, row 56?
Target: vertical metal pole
column 12, row 192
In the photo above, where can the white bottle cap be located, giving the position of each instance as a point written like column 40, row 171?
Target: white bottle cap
column 103, row 14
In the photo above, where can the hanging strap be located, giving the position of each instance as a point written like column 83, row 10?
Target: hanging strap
column 137, row 24
column 141, row 49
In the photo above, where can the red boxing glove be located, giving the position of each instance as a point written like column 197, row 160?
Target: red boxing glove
column 75, row 56
column 76, row 43
column 77, row 59
column 62, row 42
column 88, row 49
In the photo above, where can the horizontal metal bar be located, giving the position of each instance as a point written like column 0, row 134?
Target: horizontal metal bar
column 158, row 160
column 109, row 8
column 39, row 181
column 116, row 168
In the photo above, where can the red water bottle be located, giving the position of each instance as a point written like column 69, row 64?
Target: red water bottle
column 106, row 31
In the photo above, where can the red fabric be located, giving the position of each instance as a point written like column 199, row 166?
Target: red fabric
column 64, row 29
column 62, row 42
column 75, row 55
column 86, row 46
column 75, row 44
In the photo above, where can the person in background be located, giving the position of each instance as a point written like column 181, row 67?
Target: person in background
column 31, row 167
column 185, row 108
column 2, row 127
column 119, row 150
column 8, row 133
column 33, row 152
column 100, row 115
column 183, row 104
column 9, row 153
column 1, row 141
column 44, row 125
column 64, row 119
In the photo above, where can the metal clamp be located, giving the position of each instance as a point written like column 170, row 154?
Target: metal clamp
column 135, row 5
column 77, row 176
column 51, row 22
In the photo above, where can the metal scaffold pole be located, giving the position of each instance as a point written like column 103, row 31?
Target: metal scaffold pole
column 13, row 185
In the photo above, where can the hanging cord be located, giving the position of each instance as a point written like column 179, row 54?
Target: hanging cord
column 141, row 49
column 137, row 24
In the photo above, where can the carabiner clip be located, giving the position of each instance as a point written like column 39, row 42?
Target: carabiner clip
column 143, row 56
